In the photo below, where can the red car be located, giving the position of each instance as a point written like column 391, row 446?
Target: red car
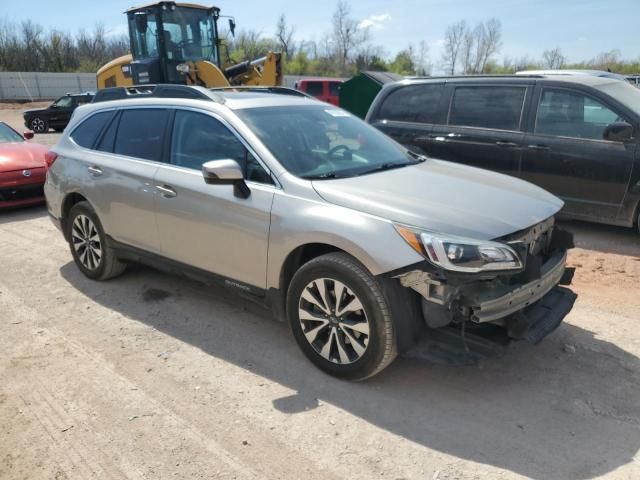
column 22, row 169
column 325, row 89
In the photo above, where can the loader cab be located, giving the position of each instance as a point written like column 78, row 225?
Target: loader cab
column 166, row 35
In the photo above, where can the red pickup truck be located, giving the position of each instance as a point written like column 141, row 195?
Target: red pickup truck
column 325, row 89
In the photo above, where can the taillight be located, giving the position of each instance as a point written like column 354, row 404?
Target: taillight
column 49, row 158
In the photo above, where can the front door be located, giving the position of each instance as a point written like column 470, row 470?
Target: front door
column 208, row 226
column 567, row 155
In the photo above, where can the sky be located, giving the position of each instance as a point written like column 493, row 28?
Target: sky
column 581, row 28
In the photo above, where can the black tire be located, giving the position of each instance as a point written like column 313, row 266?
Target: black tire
column 336, row 269
column 39, row 125
column 107, row 266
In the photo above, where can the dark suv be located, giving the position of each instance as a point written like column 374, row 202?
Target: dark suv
column 56, row 115
column 574, row 136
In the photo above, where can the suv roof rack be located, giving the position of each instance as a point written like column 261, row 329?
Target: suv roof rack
column 155, row 91
column 186, row 91
column 486, row 75
column 261, row 89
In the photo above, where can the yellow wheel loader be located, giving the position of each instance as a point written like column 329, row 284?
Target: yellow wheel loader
column 178, row 43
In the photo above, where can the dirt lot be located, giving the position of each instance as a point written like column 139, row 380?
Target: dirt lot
column 153, row 376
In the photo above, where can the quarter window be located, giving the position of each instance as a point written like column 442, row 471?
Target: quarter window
column 496, row 107
column 572, row 114
column 141, row 132
column 86, row 133
column 415, row 103
column 198, row 138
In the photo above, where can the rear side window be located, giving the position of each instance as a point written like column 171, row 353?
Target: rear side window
column 414, row 103
column 314, row 89
column 86, row 133
column 334, row 88
column 498, row 107
column 141, row 133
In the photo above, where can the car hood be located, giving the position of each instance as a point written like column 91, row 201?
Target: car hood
column 21, row 155
column 34, row 110
column 445, row 197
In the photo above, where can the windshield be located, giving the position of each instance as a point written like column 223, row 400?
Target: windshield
column 625, row 93
column 8, row 134
column 319, row 141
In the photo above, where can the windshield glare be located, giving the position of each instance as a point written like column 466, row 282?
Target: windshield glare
column 319, row 141
column 9, row 135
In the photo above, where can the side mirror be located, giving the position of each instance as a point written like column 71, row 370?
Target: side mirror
column 28, row 135
column 232, row 27
column 226, row 172
column 618, row 132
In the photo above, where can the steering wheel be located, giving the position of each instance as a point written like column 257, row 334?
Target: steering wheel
column 337, row 148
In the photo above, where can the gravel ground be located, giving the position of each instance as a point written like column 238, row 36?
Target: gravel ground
column 151, row 376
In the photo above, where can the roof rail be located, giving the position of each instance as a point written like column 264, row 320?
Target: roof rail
column 155, row 91
column 485, row 75
column 261, row 89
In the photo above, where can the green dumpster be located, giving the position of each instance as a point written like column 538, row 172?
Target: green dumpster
column 357, row 93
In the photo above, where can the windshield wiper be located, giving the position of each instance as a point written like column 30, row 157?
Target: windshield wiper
column 322, row 176
column 417, row 156
column 387, row 166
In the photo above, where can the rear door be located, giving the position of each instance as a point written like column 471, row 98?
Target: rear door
column 61, row 111
column 207, row 226
column 483, row 127
column 567, row 155
column 118, row 175
column 408, row 113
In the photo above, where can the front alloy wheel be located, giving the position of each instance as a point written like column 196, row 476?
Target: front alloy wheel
column 334, row 321
column 340, row 317
column 38, row 125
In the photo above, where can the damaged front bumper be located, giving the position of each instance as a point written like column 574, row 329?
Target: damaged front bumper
column 487, row 312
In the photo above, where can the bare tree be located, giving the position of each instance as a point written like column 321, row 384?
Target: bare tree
column 466, row 52
column 421, row 59
column 347, row 37
column 489, row 40
column 284, row 36
column 553, row 59
column 453, row 39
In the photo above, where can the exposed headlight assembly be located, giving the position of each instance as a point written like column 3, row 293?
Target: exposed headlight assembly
column 461, row 254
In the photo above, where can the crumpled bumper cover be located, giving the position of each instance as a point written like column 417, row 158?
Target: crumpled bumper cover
column 491, row 309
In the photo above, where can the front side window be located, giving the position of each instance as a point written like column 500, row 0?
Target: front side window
column 8, row 134
column 566, row 113
column 319, row 142
column 87, row 132
column 189, row 34
column 494, row 107
column 141, row 133
column 198, row 138
column 413, row 103
column 334, row 88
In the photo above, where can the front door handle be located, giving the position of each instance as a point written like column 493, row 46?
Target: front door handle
column 94, row 171
column 538, row 147
column 502, row 143
column 166, row 191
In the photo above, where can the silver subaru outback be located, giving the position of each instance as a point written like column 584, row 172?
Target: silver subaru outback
column 367, row 249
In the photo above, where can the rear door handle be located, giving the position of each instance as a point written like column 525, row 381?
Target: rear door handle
column 166, row 191
column 94, row 171
column 502, row 143
column 538, row 147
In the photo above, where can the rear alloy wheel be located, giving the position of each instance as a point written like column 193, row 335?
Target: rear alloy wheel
column 340, row 317
column 39, row 125
column 89, row 246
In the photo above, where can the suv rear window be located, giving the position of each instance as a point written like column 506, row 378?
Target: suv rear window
column 414, row 103
column 498, row 107
column 141, row 133
column 86, row 133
